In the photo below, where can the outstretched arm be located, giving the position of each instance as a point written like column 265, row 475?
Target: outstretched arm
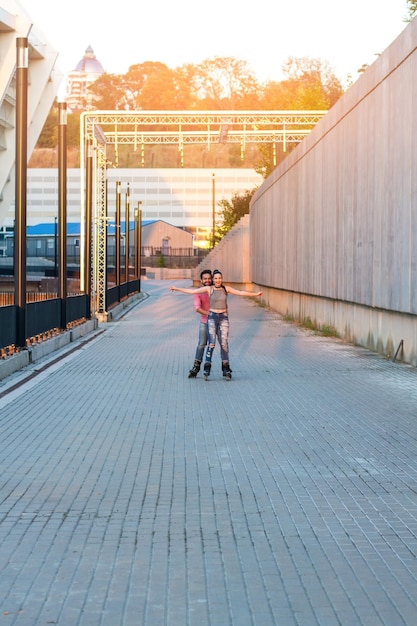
column 186, row 290
column 242, row 292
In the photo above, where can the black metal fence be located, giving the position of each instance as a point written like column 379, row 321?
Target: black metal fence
column 42, row 317
column 8, row 326
column 46, row 312
column 43, row 248
column 118, row 293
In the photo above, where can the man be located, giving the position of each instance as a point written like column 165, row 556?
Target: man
column 201, row 305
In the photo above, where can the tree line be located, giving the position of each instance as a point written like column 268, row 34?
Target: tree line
column 214, row 84
column 221, row 83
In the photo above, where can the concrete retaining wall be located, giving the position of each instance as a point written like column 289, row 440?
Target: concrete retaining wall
column 333, row 230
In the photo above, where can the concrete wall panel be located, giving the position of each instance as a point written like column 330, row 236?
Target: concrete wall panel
column 345, row 198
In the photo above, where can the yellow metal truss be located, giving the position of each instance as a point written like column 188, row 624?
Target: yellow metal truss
column 100, row 129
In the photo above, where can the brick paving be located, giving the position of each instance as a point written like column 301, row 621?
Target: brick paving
column 131, row 495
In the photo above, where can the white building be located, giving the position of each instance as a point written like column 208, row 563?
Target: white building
column 181, row 197
column 87, row 70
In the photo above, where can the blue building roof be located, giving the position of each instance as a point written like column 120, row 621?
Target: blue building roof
column 74, row 229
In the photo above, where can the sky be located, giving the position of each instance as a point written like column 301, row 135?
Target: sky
column 264, row 34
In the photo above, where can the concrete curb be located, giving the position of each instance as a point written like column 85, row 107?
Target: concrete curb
column 18, row 361
column 27, row 356
column 121, row 308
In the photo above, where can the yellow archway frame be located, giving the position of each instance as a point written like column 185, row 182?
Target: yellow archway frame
column 99, row 129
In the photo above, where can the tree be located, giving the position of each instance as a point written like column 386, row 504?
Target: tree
column 151, row 87
column 309, row 84
column 232, row 211
column 267, row 162
column 224, row 83
column 108, row 93
column 145, row 86
column 411, row 10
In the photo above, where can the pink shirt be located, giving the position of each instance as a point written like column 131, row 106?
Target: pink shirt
column 202, row 301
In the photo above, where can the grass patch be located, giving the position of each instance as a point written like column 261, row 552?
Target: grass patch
column 307, row 323
column 324, row 331
column 328, row 331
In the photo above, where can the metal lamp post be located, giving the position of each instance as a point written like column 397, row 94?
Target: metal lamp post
column 117, row 238
column 22, row 65
column 127, row 234
column 213, row 208
column 138, row 240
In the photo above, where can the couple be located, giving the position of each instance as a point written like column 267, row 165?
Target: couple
column 212, row 306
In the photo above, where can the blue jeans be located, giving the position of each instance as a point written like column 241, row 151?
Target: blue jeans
column 218, row 326
column 202, row 341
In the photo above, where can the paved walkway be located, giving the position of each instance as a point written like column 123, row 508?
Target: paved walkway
column 133, row 496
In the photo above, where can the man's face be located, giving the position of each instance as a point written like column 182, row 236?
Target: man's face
column 206, row 280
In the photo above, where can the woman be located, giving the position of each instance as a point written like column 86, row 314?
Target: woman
column 218, row 319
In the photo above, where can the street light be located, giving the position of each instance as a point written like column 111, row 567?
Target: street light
column 21, row 80
column 127, row 218
column 213, row 208
column 138, row 238
column 117, row 235
column 55, row 247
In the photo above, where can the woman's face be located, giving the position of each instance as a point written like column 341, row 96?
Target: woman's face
column 217, row 280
